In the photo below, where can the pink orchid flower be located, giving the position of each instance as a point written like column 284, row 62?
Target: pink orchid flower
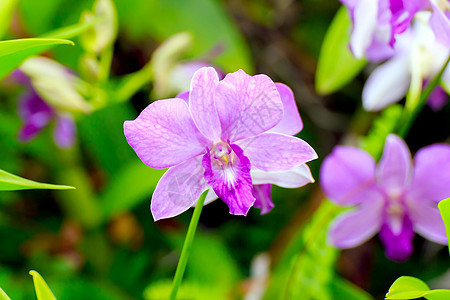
column 215, row 136
column 394, row 198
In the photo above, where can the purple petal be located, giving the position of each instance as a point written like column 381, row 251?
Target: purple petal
column 387, row 84
column 398, row 245
column 178, row 189
column 31, row 104
column 437, row 99
column 351, row 229
column 440, row 24
column 201, row 102
column 347, row 176
column 291, row 123
column 65, row 131
column 394, row 169
column 431, row 180
column 164, row 134
column 231, row 182
column 293, row 178
column 277, row 152
column 28, row 131
column 184, row 96
column 427, row 220
column 263, row 199
column 247, row 105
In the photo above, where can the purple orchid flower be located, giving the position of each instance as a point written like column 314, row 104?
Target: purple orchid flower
column 418, row 57
column 37, row 114
column 213, row 137
column 394, row 198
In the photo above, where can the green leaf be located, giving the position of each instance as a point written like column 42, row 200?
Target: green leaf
column 3, row 295
column 337, row 66
column 444, row 208
column 14, row 52
column 43, row 292
column 407, row 287
column 10, row 182
column 132, row 185
column 6, row 12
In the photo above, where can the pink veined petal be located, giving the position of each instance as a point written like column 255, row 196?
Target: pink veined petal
column 427, row 219
column 293, row 178
column 164, row 134
column 247, row 105
column 353, row 228
column 431, row 180
column 387, row 84
column 398, row 245
column 232, row 183
column 201, row 102
column 291, row 123
column 347, row 176
column 178, row 189
column 276, row 152
column 65, row 131
column 394, row 170
column 364, row 26
column 440, row 24
column 263, row 199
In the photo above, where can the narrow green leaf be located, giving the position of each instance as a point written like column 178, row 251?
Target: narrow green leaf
column 10, row 182
column 444, row 208
column 43, row 292
column 337, row 66
column 14, row 52
column 3, row 295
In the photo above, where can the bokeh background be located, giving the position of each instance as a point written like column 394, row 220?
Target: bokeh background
column 100, row 241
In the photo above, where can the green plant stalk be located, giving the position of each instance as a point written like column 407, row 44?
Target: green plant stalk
column 411, row 113
column 105, row 63
column 132, row 83
column 187, row 246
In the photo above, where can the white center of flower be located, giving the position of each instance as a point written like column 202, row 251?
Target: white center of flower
column 221, row 152
column 395, row 210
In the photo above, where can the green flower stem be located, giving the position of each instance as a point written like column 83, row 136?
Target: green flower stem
column 132, row 83
column 187, row 246
column 410, row 113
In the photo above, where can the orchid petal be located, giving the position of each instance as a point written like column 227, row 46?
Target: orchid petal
column 201, row 102
column 431, row 179
column 440, row 24
column 164, row 134
column 347, row 176
column 178, row 189
column 437, row 98
column 263, row 199
column 395, row 167
column 232, row 183
column 65, row 131
column 247, row 105
column 35, row 113
column 427, row 219
column 398, row 243
column 184, row 96
column 293, row 178
column 291, row 123
column 351, row 229
column 364, row 26
column 387, row 84
column 277, row 152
